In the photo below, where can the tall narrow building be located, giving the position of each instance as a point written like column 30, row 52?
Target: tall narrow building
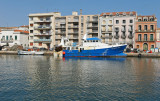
column 41, row 30
column 145, row 36
column 118, row 27
column 75, row 26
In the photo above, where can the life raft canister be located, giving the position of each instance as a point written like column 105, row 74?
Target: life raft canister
column 63, row 53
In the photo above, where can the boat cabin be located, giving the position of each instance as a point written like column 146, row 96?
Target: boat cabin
column 92, row 42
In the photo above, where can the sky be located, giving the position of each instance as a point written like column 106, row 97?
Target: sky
column 15, row 12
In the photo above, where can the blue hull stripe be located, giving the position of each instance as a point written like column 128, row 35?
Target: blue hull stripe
column 114, row 51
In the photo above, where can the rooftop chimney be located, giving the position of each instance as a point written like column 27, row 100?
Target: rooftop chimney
column 80, row 11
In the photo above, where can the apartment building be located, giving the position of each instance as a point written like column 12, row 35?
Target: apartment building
column 74, row 26
column 41, row 29
column 158, row 38
column 47, row 29
column 145, row 36
column 118, row 27
column 14, row 36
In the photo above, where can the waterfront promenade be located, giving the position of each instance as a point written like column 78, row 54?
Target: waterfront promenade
column 51, row 53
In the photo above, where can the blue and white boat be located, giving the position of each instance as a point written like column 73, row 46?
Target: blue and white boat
column 93, row 47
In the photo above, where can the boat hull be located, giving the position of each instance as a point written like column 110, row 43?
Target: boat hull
column 104, row 52
column 30, row 53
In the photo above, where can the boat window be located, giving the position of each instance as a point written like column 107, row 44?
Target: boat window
column 96, row 40
column 93, row 40
column 85, row 41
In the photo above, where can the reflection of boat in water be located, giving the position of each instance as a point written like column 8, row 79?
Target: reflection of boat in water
column 93, row 47
column 95, row 58
column 29, row 53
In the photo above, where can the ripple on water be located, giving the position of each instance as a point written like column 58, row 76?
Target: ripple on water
column 48, row 78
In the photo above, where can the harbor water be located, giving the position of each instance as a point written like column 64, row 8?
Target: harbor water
column 45, row 78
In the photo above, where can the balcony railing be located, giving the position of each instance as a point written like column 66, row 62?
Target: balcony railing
column 75, row 20
column 60, row 27
column 43, row 20
column 42, row 34
column 74, row 32
column 73, row 26
column 130, row 36
column 73, row 37
column 6, row 41
column 108, row 37
column 42, row 40
column 60, row 32
column 141, row 31
column 57, row 37
column 43, row 27
column 93, row 20
column 123, row 36
column 123, row 30
column 130, row 30
column 116, row 30
column 146, row 40
column 93, row 32
column 93, row 26
column 116, row 36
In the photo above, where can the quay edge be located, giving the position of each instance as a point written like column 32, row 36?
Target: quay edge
column 50, row 53
column 150, row 55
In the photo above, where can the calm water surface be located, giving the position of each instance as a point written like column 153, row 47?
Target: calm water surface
column 45, row 78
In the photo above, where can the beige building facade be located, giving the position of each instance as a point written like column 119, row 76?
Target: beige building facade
column 41, row 30
column 118, row 27
column 47, row 29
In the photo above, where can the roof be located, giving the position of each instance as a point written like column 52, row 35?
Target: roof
column 25, row 26
column 94, row 38
column 120, row 13
column 22, row 31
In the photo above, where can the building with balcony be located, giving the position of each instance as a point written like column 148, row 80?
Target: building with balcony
column 145, row 34
column 47, row 29
column 119, row 27
column 14, row 36
column 75, row 26
column 41, row 30
column 158, row 38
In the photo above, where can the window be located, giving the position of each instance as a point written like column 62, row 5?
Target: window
column 116, row 33
column 15, row 37
column 31, row 31
column 151, row 37
column 31, row 43
column 145, row 27
column 117, row 21
column 139, row 37
column 10, row 37
column 47, row 18
column 81, row 18
column 40, row 44
column 152, row 27
column 31, row 37
column 145, row 19
column 130, row 21
column 152, row 46
column 145, row 37
column 151, row 19
column 31, row 25
column 139, row 27
column 3, row 38
column 31, row 18
column 124, row 21
column 6, row 37
column 139, row 20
